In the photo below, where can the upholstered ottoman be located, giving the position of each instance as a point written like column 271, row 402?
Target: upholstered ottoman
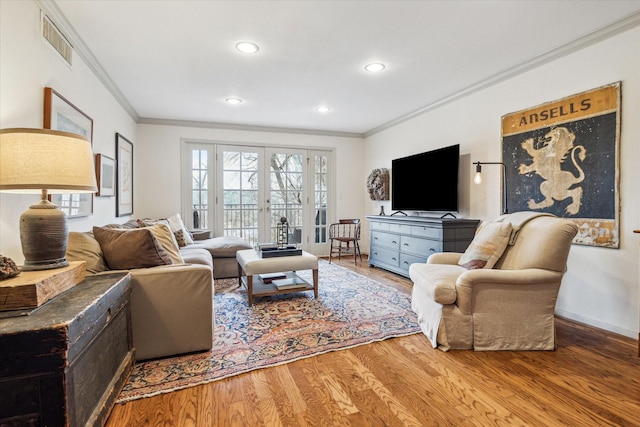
column 251, row 265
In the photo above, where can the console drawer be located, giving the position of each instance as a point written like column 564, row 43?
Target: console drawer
column 400, row 228
column 406, row 260
column 429, row 232
column 420, row 247
column 387, row 240
column 385, row 256
column 379, row 226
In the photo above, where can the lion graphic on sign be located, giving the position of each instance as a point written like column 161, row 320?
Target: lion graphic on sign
column 547, row 162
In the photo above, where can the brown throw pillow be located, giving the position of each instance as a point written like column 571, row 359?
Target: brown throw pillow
column 127, row 249
column 487, row 246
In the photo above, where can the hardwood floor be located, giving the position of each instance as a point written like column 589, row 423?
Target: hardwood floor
column 592, row 379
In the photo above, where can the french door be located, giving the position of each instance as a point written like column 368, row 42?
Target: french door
column 252, row 188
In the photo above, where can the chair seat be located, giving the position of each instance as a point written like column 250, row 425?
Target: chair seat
column 343, row 239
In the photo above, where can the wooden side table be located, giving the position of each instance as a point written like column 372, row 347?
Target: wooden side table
column 65, row 363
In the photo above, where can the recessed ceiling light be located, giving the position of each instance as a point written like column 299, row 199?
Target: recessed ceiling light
column 233, row 101
column 247, row 47
column 374, row 67
column 323, row 109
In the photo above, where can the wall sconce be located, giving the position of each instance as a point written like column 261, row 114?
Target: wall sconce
column 478, row 179
column 42, row 161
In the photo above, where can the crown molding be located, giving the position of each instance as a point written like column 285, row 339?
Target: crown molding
column 604, row 33
column 252, row 128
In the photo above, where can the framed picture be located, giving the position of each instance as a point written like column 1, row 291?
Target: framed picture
column 124, row 176
column 60, row 114
column 105, row 175
column 562, row 157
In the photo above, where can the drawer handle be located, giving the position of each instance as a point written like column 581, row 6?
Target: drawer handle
column 393, row 241
column 394, row 258
column 405, row 244
column 432, row 250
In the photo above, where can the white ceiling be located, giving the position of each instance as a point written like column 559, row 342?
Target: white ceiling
column 176, row 60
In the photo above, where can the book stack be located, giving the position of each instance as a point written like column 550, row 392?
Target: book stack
column 270, row 277
column 289, row 283
column 267, row 246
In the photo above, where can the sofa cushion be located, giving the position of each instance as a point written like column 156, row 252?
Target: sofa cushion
column 135, row 248
column 168, row 241
column 221, row 247
column 126, row 225
column 148, row 222
column 197, row 256
column 487, row 246
column 84, row 247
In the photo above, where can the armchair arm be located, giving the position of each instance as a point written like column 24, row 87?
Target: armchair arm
column 444, row 258
column 471, row 281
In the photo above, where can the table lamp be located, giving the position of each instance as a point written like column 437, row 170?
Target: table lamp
column 42, row 161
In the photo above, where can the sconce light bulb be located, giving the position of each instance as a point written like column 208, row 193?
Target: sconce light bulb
column 477, row 178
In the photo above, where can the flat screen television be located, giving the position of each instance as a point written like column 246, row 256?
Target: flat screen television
column 426, row 182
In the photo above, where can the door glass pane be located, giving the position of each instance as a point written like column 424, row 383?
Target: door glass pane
column 286, row 194
column 240, row 195
column 320, row 174
column 199, row 188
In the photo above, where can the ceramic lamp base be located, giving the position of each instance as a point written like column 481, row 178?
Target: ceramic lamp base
column 44, row 237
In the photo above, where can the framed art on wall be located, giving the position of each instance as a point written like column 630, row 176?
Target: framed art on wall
column 105, row 175
column 124, row 176
column 60, row 114
column 562, row 157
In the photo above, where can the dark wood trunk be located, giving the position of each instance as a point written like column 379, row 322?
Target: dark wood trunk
column 65, row 363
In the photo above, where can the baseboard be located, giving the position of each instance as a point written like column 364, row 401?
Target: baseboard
column 597, row 324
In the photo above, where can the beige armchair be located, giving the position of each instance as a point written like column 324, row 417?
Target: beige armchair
column 507, row 307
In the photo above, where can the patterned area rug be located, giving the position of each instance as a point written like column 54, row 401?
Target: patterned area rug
column 351, row 310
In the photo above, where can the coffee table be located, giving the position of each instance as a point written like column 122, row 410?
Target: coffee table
column 251, row 265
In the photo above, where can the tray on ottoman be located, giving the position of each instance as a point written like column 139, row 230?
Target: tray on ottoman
column 276, row 252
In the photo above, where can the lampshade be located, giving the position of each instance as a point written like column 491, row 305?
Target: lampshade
column 42, row 161
column 32, row 160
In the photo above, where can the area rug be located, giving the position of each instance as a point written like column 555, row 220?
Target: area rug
column 351, row 310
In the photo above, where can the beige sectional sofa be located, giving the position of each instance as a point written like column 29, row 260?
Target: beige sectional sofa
column 172, row 286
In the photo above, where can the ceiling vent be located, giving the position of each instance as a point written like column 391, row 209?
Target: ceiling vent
column 56, row 39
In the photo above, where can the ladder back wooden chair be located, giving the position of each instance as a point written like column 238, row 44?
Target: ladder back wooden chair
column 344, row 237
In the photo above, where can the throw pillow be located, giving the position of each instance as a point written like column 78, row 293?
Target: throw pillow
column 487, row 246
column 84, row 247
column 176, row 224
column 182, row 242
column 134, row 248
column 168, row 241
column 147, row 222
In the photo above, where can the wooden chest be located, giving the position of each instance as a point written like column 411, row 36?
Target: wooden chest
column 66, row 362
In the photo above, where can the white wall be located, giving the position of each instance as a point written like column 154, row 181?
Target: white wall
column 158, row 154
column 601, row 285
column 27, row 66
